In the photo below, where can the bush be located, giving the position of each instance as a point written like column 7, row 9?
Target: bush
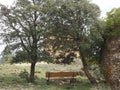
column 24, row 75
column 96, row 72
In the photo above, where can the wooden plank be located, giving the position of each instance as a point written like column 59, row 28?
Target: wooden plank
column 61, row 74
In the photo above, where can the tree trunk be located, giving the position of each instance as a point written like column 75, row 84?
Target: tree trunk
column 86, row 70
column 32, row 72
column 110, row 62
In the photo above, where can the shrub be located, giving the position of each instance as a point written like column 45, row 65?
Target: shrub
column 24, row 75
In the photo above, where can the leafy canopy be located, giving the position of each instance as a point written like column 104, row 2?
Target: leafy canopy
column 113, row 23
column 70, row 23
column 23, row 27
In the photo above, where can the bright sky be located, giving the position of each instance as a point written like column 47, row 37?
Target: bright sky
column 105, row 6
column 7, row 2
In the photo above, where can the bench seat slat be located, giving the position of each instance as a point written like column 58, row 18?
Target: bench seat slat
column 61, row 74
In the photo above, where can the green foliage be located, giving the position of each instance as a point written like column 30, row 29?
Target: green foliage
column 96, row 72
column 70, row 23
column 95, row 44
column 20, row 56
column 24, row 75
column 29, row 25
column 45, row 56
column 113, row 23
column 24, row 28
column 33, row 22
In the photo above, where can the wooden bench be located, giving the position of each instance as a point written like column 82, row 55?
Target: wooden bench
column 57, row 75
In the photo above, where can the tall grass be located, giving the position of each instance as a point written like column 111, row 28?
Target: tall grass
column 10, row 79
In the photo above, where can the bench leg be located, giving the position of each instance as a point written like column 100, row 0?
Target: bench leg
column 48, row 81
column 72, row 81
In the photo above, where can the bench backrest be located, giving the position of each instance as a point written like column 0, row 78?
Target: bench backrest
column 61, row 74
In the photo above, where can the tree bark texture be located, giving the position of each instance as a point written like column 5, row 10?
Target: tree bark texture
column 86, row 70
column 110, row 62
column 32, row 72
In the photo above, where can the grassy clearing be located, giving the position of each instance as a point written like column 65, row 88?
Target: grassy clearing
column 10, row 80
column 9, row 77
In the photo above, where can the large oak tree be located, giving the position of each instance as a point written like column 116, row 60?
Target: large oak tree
column 23, row 28
column 70, row 24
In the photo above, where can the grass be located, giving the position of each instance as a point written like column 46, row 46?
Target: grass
column 10, row 79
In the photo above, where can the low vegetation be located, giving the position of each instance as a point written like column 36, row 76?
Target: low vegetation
column 54, row 31
column 14, row 77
